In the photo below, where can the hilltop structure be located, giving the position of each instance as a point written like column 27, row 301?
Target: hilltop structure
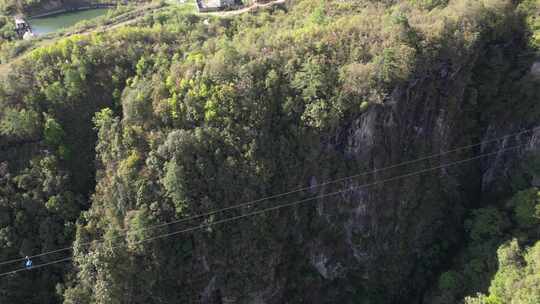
column 22, row 28
column 215, row 5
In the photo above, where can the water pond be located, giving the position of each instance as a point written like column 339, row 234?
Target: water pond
column 53, row 23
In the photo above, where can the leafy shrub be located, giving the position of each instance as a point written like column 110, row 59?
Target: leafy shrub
column 19, row 123
column 53, row 132
column 526, row 206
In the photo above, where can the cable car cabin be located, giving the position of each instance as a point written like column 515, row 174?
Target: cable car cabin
column 28, row 263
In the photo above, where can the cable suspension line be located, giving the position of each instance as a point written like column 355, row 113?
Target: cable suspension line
column 329, row 182
column 281, row 206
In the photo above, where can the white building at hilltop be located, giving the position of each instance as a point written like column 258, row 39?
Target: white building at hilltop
column 22, row 28
column 19, row 23
column 214, row 5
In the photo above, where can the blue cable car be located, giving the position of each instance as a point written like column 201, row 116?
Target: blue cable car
column 28, row 263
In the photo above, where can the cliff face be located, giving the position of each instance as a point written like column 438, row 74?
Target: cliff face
column 387, row 241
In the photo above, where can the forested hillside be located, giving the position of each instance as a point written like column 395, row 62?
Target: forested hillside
column 112, row 144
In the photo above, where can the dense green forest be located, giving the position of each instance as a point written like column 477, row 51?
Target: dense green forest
column 109, row 140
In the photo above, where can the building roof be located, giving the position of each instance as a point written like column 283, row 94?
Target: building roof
column 19, row 20
column 215, row 3
column 211, row 3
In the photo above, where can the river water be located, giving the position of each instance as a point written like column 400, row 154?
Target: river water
column 49, row 24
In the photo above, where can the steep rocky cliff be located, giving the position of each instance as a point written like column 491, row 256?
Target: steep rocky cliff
column 388, row 240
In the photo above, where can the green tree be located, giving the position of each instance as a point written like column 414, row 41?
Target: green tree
column 526, row 207
column 53, row 132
